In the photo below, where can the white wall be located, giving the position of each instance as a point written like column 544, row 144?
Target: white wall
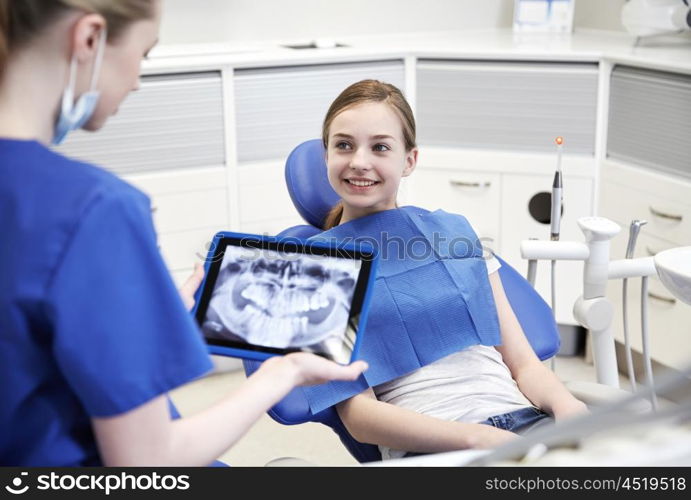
column 188, row 21
column 598, row 14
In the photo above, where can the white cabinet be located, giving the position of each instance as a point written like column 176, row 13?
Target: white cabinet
column 486, row 130
column 629, row 193
column 169, row 140
column 463, row 192
column 494, row 190
column 647, row 176
column 189, row 207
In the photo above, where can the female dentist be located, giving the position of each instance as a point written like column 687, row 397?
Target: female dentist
column 93, row 332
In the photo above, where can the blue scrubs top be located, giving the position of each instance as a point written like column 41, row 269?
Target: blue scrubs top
column 91, row 324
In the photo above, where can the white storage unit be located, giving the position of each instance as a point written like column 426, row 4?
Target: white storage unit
column 629, row 193
column 168, row 139
column 647, row 175
column 487, row 133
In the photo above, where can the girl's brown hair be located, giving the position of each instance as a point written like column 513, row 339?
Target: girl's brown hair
column 359, row 93
column 21, row 20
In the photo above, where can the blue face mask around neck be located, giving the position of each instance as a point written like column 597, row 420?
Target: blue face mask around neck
column 74, row 114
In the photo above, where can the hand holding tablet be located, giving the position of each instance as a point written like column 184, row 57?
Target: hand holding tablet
column 264, row 296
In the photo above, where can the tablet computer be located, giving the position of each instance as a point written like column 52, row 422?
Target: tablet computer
column 265, row 296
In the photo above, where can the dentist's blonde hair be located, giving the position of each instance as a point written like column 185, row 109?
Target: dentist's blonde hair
column 22, row 20
column 359, row 93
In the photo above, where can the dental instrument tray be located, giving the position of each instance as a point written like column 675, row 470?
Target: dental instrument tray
column 264, row 296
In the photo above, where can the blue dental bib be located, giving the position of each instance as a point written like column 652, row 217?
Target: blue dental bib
column 431, row 298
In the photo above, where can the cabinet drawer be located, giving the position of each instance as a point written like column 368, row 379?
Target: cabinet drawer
column 668, row 318
column 187, row 211
column 472, row 194
column 667, row 218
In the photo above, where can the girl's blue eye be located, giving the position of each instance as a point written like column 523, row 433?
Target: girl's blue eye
column 342, row 145
column 380, row 148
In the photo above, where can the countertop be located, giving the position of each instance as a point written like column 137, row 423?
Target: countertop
column 671, row 53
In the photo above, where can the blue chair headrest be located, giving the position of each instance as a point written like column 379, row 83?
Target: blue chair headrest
column 308, row 184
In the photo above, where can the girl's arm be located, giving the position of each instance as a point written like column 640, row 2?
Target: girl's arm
column 146, row 435
column 371, row 421
column 537, row 382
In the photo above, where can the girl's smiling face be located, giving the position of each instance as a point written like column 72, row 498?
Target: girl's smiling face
column 366, row 158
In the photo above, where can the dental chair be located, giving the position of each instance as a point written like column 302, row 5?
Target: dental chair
column 313, row 197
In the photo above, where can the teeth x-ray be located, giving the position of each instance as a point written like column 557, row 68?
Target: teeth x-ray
column 268, row 299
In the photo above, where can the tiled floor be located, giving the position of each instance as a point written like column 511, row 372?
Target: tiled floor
column 315, row 443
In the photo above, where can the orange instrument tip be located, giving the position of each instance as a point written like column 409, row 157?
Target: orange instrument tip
column 559, row 140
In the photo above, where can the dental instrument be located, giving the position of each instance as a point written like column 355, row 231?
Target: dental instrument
column 555, row 223
column 634, row 229
column 557, row 196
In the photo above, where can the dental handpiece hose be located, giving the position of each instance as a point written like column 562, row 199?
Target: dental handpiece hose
column 634, row 230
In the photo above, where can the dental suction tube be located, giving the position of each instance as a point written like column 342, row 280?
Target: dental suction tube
column 634, row 230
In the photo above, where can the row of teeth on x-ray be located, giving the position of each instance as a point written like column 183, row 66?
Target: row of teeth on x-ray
column 269, row 330
column 290, row 301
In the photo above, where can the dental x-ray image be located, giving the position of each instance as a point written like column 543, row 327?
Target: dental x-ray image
column 296, row 301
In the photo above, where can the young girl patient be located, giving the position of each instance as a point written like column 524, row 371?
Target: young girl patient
column 476, row 382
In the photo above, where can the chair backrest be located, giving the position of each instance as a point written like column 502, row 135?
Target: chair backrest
column 313, row 197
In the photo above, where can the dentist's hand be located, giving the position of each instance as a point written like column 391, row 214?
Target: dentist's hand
column 309, row 369
column 189, row 288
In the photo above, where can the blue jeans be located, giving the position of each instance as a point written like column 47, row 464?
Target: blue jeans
column 518, row 421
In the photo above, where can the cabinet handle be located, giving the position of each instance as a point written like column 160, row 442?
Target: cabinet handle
column 662, row 298
column 456, row 183
column 665, row 215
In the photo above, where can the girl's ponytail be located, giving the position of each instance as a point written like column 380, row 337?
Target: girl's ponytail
column 4, row 34
column 333, row 218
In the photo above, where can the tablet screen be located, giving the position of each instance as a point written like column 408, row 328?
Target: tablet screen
column 273, row 298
